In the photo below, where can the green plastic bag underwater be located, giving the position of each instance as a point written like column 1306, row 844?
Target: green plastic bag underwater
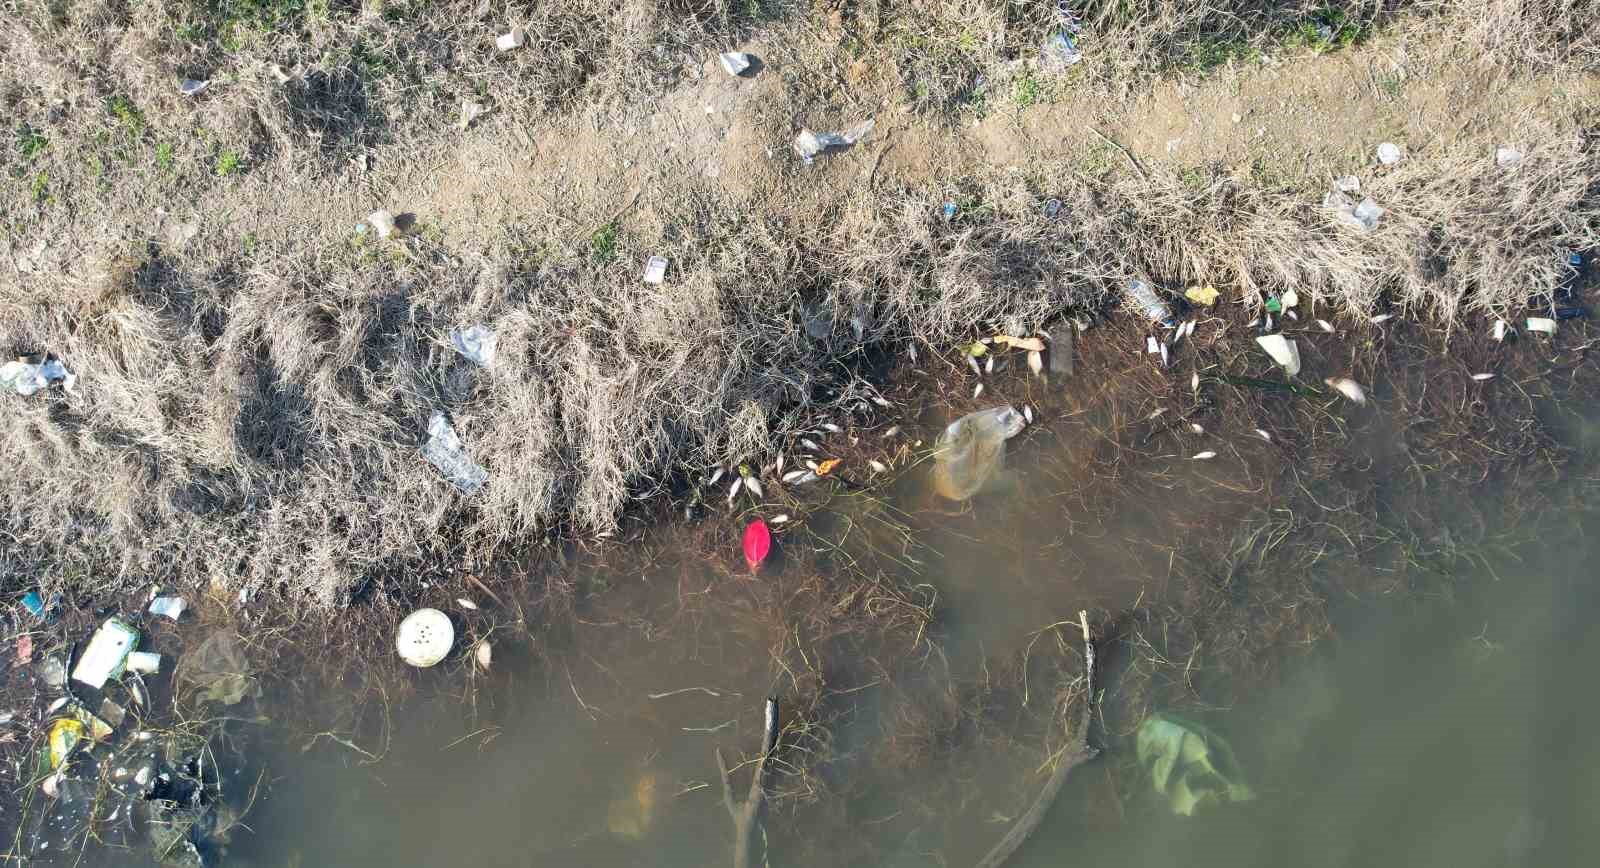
column 1189, row 764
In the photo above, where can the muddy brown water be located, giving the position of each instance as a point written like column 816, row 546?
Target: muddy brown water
column 1451, row 727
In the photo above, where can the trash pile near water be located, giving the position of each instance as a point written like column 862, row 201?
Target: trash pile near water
column 121, row 748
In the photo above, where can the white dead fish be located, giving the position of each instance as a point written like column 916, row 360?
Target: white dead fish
column 1156, row 414
column 977, row 391
column 809, row 444
column 1482, row 377
column 716, row 475
column 793, row 475
column 1036, row 362
column 1188, row 328
column 1264, row 435
column 1164, row 358
column 1283, row 351
column 1204, row 456
column 1541, row 324
column 911, row 351
column 831, row 428
column 1027, row 413
column 734, row 491
column 808, row 476
column 782, row 518
column 1197, row 428
column 892, row 430
column 877, row 466
column 1292, row 315
column 812, row 464
column 988, row 365
column 881, row 401
column 1348, row 388
column 973, row 364
column 778, row 467
column 1267, row 323
column 513, row 39
column 467, row 604
column 1381, row 318
column 1500, row 330
column 753, row 485
column 1194, row 382
column 1326, row 326
column 484, row 655
column 190, row 86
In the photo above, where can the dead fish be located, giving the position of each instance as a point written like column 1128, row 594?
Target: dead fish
column 1292, row 315
column 1164, row 358
column 793, row 475
column 1500, row 330
column 467, row 604
column 831, row 428
column 782, row 518
column 978, row 391
column 893, row 430
column 988, row 365
column 1036, row 362
column 1197, row 428
column 881, row 401
column 1381, row 318
column 753, row 485
column 808, row 476
column 716, row 475
column 1326, row 326
column 1204, row 456
column 779, row 467
column 809, row 444
column 734, row 492
column 911, row 351
column 1027, row 413
column 1156, row 414
column 1194, row 382
column 812, row 464
column 1264, row 435
column 1348, row 388
column 1482, row 377
column 484, row 654
column 877, row 466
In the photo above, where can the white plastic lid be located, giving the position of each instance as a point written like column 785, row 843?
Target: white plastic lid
column 425, row 637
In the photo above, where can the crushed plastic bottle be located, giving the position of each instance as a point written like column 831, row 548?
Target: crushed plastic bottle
column 972, row 450
column 1143, row 296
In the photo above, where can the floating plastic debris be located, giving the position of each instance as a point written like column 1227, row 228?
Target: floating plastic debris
column 445, row 452
column 1347, row 184
column 144, row 662
column 475, row 342
column 734, row 63
column 425, row 637
column 1363, row 215
column 655, row 270
column 1189, row 764
column 107, row 653
column 1283, row 351
column 971, row 450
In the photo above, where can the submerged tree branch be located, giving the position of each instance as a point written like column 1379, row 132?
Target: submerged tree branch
column 746, row 816
column 1073, row 755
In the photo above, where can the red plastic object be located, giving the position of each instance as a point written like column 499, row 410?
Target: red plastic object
column 757, row 544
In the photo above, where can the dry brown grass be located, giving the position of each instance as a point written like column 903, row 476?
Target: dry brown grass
column 251, row 407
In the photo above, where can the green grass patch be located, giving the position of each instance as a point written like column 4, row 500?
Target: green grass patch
column 30, row 143
column 603, row 243
column 128, row 115
column 229, row 162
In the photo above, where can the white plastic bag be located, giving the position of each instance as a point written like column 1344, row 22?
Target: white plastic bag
column 972, row 450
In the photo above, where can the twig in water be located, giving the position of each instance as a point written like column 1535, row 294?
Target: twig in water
column 723, row 725
column 706, row 690
column 745, row 816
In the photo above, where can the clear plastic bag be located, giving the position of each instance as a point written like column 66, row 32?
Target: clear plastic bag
column 972, row 450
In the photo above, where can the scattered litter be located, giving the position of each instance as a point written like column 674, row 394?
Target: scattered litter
column 1151, row 345
column 475, row 342
column 382, row 223
column 1348, row 388
column 1499, row 331
column 734, row 62
column 168, row 607
column 1381, row 318
column 1060, row 51
column 484, row 655
column 34, row 604
column 1274, row 304
column 1283, row 351
column 1347, row 184
column 1205, row 296
column 470, row 111
column 1031, row 344
column 1052, row 207
column 27, row 378
column 24, row 650
column 809, row 145
column 144, row 662
column 444, row 451
column 64, row 735
column 828, row 466
column 1189, row 764
column 1482, row 377
column 190, row 86
column 655, row 270
column 279, row 74
column 757, row 544
column 1143, row 296
column 1290, row 299
column 219, row 670
column 1541, row 324
column 52, row 670
column 971, row 451
column 1205, row 456
column 948, row 210
column 1507, row 158
column 107, row 653
column 1363, row 215
column 511, row 40
column 1390, row 153
column 425, row 637
column 1061, row 338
